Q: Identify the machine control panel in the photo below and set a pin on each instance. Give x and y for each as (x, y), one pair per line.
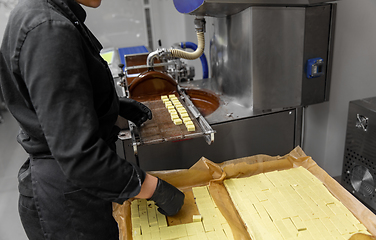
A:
(315, 67)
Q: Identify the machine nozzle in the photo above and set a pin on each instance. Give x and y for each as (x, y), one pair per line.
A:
(200, 24)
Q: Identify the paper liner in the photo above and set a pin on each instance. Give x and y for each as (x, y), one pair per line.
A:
(206, 172)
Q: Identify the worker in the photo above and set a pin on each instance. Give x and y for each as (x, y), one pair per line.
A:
(62, 94)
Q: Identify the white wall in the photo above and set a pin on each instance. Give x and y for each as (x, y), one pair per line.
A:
(118, 23)
(4, 15)
(167, 23)
(354, 77)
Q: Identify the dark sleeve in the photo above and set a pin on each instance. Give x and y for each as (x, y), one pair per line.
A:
(56, 75)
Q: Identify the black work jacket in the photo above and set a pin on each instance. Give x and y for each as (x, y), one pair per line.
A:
(61, 92)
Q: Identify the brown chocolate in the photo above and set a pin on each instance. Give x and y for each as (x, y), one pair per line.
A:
(205, 101)
(150, 85)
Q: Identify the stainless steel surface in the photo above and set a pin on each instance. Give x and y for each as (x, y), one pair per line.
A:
(125, 134)
(231, 107)
(230, 57)
(203, 124)
(299, 126)
(200, 24)
(318, 39)
(359, 163)
(175, 67)
(156, 54)
(272, 134)
(135, 137)
(362, 181)
(277, 57)
(222, 8)
(258, 56)
(146, 66)
(333, 17)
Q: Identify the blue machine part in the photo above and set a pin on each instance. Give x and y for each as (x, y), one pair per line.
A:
(130, 50)
(187, 6)
(315, 67)
(204, 62)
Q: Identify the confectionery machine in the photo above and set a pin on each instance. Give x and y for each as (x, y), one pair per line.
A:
(268, 60)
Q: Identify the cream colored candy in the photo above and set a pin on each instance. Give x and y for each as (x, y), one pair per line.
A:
(294, 202)
(209, 224)
(186, 119)
(177, 121)
(190, 127)
(172, 111)
(189, 122)
(181, 109)
(174, 116)
(197, 218)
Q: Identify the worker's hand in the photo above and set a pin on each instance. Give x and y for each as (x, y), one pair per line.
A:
(168, 198)
(134, 111)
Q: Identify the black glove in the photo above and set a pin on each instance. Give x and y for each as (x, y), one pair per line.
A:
(168, 198)
(134, 111)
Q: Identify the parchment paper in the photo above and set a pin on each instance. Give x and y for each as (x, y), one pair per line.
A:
(205, 172)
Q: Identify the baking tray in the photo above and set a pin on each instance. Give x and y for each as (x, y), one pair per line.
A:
(206, 172)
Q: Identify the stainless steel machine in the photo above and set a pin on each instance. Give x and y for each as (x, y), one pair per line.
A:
(268, 60)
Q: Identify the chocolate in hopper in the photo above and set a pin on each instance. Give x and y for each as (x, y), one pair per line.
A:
(151, 85)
